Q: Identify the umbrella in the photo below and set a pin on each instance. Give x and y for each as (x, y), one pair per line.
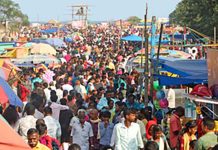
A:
(39, 41)
(133, 38)
(8, 95)
(4, 73)
(10, 139)
(36, 59)
(56, 42)
(43, 49)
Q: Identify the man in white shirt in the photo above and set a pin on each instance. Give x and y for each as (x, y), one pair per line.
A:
(56, 108)
(82, 133)
(53, 125)
(47, 92)
(67, 86)
(171, 97)
(80, 89)
(126, 135)
(27, 122)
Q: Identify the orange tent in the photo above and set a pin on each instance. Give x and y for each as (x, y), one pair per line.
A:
(9, 139)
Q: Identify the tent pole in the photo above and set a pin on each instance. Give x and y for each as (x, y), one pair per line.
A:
(158, 50)
(146, 71)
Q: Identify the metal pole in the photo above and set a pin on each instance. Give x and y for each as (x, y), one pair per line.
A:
(214, 35)
(152, 54)
(158, 50)
(146, 71)
(142, 48)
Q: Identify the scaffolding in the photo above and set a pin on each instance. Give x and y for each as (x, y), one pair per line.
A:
(80, 14)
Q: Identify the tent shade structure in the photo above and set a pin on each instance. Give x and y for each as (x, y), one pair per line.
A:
(55, 42)
(188, 71)
(43, 49)
(35, 59)
(167, 80)
(8, 95)
(186, 67)
(133, 38)
(10, 140)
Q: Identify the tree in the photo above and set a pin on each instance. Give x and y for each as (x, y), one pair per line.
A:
(201, 15)
(134, 20)
(10, 12)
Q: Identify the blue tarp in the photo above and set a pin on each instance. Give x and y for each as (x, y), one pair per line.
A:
(53, 30)
(188, 71)
(12, 97)
(181, 36)
(39, 41)
(133, 38)
(55, 42)
(166, 80)
(186, 67)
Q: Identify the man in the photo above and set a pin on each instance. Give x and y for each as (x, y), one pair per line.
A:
(47, 92)
(106, 130)
(171, 97)
(95, 121)
(209, 139)
(80, 89)
(82, 132)
(126, 135)
(54, 128)
(67, 86)
(33, 140)
(27, 122)
(175, 126)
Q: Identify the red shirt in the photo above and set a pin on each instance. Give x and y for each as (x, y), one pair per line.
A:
(175, 125)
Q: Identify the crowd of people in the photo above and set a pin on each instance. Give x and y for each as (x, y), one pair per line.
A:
(93, 103)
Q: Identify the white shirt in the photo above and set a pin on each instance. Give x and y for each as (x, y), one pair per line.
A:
(56, 108)
(59, 93)
(67, 87)
(24, 124)
(81, 135)
(38, 114)
(127, 138)
(47, 94)
(171, 97)
(81, 89)
(53, 127)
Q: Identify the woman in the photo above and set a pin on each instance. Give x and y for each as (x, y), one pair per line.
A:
(189, 135)
(159, 138)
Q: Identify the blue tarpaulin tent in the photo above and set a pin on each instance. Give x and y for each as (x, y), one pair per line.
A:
(188, 71)
(133, 38)
(186, 67)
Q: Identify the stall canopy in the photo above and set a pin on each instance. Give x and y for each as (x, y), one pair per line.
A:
(186, 68)
(188, 71)
(133, 38)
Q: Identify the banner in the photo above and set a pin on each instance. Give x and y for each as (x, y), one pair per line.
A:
(212, 61)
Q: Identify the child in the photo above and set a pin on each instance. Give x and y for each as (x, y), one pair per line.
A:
(159, 138)
(106, 130)
(189, 135)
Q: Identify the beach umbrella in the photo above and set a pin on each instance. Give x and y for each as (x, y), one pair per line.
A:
(36, 59)
(10, 139)
(56, 42)
(8, 95)
(42, 49)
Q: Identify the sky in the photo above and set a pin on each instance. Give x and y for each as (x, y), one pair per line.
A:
(100, 10)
